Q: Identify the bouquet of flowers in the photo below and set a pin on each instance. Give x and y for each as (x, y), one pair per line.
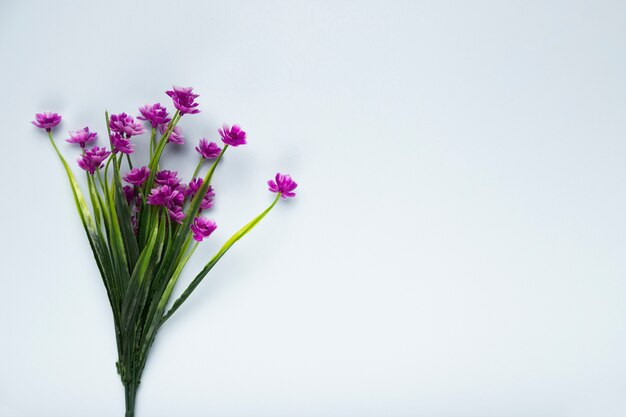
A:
(146, 221)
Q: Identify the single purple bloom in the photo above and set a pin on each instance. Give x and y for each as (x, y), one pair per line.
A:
(207, 200)
(155, 114)
(283, 184)
(176, 214)
(202, 228)
(208, 150)
(121, 144)
(184, 100)
(167, 177)
(47, 120)
(162, 196)
(193, 187)
(176, 136)
(125, 125)
(82, 137)
(92, 160)
(232, 136)
(137, 176)
(129, 192)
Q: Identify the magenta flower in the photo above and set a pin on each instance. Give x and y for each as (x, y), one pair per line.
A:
(137, 176)
(184, 100)
(125, 125)
(92, 160)
(232, 136)
(155, 114)
(47, 120)
(121, 144)
(176, 214)
(283, 184)
(207, 200)
(129, 192)
(202, 228)
(208, 150)
(167, 177)
(193, 187)
(176, 136)
(82, 137)
(162, 196)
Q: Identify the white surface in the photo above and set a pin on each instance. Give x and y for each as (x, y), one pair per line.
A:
(457, 246)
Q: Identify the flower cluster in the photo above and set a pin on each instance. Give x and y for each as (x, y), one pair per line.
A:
(165, 188)
(144, 223)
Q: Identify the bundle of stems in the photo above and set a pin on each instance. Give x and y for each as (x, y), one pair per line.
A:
(142, 242)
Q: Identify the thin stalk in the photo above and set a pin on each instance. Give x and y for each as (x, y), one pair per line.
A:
(241, 233)
(197, 168)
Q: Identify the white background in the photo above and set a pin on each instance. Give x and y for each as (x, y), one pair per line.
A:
(457, 245)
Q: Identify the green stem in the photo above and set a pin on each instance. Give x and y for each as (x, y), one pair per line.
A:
(230, 242)
(152, 142)
(130, 394)
(197, 168)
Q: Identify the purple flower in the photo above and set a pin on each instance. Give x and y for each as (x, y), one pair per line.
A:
(82, 137)
(202, 228)
(176, 136)
(184, 100)
(155, 114)
(283, 184)
(125, 125)
(208, 150)
(232, 136)
(47, 120)
(129, 192)
(121, 144)
(137, 176)
(166, 177)
(91, 160)
(207, 200)
(193, 187)
(162, 196)
(176, 214)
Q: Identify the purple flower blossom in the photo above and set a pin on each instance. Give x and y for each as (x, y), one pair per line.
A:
(166, 177)
(121, 144)
(207, 200)
(176, 136)
(202, 228)
(92, 160)
(129, 192)
(137, 176)
(232, 136)
(82, 137)
(176, 214)
(155, 114)
(208, 150)
(193, 187)
(162, 196)
(47, 120)
(283, 184)
(125, 125)
(184, 100)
